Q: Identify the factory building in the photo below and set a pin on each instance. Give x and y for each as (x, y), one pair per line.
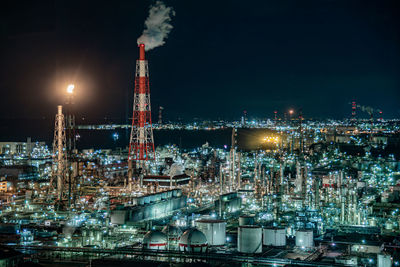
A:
(149, 207)
(12, 148)
(166, 181)
(19, 172)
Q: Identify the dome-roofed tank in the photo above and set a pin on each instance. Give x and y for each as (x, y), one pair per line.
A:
(173, 232)
(155, 240)
(193, 240)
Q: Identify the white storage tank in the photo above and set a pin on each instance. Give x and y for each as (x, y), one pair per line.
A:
(140, 200)
(274, 237)
(372, 222)
(169, 194)
(384, 260)
(305, 238)
(214, 230)
(389, 225)
(193, 240)
(246, 220)
(249, 239)
(155, 240)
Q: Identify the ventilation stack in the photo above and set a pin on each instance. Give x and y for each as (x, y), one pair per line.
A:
(141, 144)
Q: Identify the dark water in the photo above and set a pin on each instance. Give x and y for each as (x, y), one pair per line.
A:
(42, 129)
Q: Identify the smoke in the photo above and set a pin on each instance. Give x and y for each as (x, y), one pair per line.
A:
(157, 26)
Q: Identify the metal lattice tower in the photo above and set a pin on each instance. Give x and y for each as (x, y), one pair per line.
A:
(141, 144)
(59, 153)
(353, 111)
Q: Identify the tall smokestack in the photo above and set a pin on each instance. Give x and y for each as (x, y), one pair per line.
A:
(141, 145)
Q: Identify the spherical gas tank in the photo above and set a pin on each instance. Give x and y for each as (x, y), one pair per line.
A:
(155, 240)
(193, 240)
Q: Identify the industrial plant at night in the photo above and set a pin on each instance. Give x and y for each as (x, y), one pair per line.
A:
(287, 186)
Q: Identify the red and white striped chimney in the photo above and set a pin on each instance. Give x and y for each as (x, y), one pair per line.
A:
(141, 144)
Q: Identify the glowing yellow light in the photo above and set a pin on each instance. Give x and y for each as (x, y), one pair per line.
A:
(70, 89)
(271, 139)
(291, 111)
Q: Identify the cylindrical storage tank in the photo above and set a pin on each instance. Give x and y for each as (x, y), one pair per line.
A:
(152, 198)
(214, 230)
(169, 193)
(246, 220)
(389, 225)
(146, 199)
(155, 240)
(140, 200)
(305, 238)
(164, 195)
(158, 197)
(274, 237)
(249, 239)
(384, 260)
(372, 222)
(385, 197)
(193, 240)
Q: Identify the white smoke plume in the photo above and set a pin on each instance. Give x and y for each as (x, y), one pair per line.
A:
(157, 26)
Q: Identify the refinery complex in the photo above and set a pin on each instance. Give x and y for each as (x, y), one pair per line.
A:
(286, 191)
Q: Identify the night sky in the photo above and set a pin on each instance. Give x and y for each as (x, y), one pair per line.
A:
(221, 58)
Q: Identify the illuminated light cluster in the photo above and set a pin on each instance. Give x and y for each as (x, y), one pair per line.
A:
(271, 139)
